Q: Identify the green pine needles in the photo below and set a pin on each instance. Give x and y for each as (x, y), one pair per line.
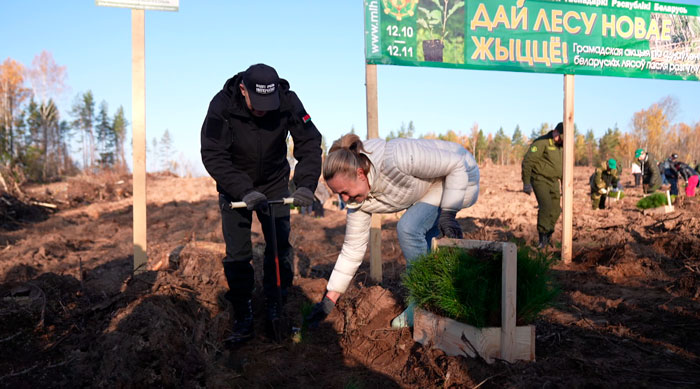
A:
(465, 285)
(615, 194)
(654, 200)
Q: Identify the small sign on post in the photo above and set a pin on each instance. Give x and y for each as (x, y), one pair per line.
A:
(152, 5)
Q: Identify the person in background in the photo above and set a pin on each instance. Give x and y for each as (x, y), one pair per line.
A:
(670, 174)
(542, 172)
(662, 166)
(320, 196)
(602, 181)
(689, 175)
(244, 148)
(651, 179)
(637, 174)
(430, 179)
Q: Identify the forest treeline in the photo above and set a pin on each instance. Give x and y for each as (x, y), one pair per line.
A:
(652, 128)
(38, 144)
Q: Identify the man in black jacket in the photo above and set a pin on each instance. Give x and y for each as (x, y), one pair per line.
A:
(651, 177)
(244, 149)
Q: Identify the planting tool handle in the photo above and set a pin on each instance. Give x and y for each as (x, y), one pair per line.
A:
(242, 204)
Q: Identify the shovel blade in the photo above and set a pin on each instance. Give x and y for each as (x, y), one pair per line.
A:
(278, 329)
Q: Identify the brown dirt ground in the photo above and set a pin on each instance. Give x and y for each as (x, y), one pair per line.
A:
(72, 315)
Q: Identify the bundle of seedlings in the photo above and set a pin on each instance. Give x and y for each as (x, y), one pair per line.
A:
(465, 285)
(654, 200)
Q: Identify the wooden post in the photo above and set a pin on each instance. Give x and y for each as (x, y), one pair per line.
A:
(509, 281)
(375, 234)
(138, 123)
(568, 177)
(668, 208)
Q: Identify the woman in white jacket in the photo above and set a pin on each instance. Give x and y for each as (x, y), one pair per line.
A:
(430, 179)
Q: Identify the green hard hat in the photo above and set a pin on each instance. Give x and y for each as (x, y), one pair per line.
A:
(612, 163)
(638, 153)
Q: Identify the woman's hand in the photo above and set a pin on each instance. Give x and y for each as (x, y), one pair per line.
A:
(448, 224)
(321, 310)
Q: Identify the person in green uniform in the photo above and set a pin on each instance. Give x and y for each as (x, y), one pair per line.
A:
(604, 179)
(651, 178)
(542, 172)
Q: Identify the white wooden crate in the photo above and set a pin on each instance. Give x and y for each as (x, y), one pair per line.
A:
(508, 342)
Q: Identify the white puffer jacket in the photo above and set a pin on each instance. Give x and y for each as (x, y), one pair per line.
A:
(404, 172)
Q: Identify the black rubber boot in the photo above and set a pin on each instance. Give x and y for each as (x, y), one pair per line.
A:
(544, 240)
(242, 330)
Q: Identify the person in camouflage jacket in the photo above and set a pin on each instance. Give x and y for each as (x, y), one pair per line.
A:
(603, 180)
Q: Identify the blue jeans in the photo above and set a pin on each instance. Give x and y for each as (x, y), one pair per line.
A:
(416, 229)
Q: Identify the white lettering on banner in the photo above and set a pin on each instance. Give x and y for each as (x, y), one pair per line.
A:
(374, 25)
(673, 9)
(600, 50)
(610, 63)
(595, 3)
(632, 5)
(684, 68)
(639, 64)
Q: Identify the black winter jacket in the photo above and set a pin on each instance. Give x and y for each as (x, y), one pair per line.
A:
(685, 171)
(245, 153)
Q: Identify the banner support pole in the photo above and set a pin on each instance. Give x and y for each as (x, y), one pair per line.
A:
(568, 174)
(375, 234)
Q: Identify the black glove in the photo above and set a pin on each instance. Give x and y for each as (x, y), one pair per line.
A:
(527, 188)
(255, 200)
(448, 224)
(319, 313)
(303, 197)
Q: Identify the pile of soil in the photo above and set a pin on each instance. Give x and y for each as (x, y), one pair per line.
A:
(73, 314)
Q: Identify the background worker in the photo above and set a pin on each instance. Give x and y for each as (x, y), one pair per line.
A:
(430, 179)
(651, 177)
(542, 172)
(603, 180)
(670, 174)
(244, 148)
(636, 173)
(689, 175)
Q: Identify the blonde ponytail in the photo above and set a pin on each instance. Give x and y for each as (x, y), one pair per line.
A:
(344, 157)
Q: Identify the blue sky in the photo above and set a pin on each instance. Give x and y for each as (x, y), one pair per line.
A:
(318, 47)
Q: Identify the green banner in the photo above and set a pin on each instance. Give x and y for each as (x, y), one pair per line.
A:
(636, 38)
